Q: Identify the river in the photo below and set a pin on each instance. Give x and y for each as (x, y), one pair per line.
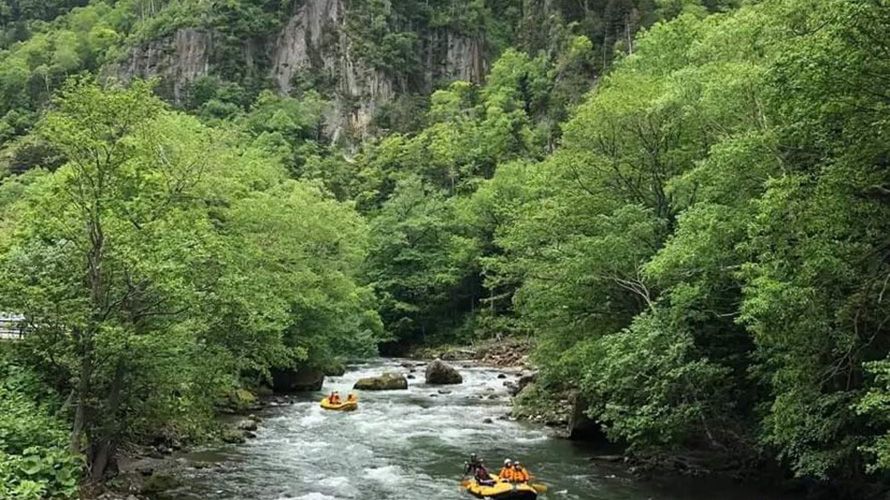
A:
(409, 445)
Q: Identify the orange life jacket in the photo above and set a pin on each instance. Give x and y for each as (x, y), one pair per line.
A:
(520, 475)
(506, 474)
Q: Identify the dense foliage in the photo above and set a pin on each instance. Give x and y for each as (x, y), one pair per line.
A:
(704, 257)
(166, 262)
(684, 203)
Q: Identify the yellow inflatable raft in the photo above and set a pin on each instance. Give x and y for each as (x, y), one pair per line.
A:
(347, 405)
(501, 490)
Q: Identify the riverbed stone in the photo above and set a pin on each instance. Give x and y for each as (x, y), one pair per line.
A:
(385, 382)
(297, 380)
(239, 401)
(526, 379)
(159, 483)
(512, 387)
(247, 425)
(438, 373)
(232, 436)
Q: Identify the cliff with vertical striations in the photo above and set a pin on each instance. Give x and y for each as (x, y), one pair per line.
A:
(314, 44)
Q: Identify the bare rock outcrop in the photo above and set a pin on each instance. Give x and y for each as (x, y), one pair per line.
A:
(178, 61)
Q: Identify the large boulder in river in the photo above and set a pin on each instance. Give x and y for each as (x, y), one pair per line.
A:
(439, 373)
(385, 382)
(299, 380)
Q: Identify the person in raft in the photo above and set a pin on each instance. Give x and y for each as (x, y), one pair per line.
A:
(350, 398)
(507, 473)
(472, 464)
(334, 398)
(482, 476)
(520, 473)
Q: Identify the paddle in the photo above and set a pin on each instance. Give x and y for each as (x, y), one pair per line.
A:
(540, 488)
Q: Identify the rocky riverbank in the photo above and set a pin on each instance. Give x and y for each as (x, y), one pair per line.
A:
(147, 471)
(508, 353)
(530, 402)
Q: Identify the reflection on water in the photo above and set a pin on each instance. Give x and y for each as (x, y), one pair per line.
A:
(404, 445)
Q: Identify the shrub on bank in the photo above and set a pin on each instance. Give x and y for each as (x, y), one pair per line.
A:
(35, 462)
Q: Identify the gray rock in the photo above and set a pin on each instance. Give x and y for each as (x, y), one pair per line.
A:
(385, 382)
(159, 483)
(487, 421)
(512, 387)
(146, 470)
(526, 379)
(247, 425)
(438, 373)
(501, 375)
(232, 436)
(444, 391)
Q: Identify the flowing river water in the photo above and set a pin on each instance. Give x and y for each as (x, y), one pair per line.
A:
(409, 445)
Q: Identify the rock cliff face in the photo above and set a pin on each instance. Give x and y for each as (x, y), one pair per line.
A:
(178, 61)
(314, 45)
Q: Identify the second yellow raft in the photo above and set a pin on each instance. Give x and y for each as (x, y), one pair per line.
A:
(348, 405)
(502, 490)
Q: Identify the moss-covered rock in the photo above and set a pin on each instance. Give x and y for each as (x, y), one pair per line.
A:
(336, 369)
(535, 404)
(385, 382)
(157, 484)
(232, 436)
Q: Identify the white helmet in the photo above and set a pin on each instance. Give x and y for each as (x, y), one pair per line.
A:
(507, 461)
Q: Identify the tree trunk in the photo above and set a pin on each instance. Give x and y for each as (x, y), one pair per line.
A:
(104, 448)
(83, 390)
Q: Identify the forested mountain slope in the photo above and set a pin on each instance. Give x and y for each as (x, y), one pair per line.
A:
(683, 203)
(376, 61)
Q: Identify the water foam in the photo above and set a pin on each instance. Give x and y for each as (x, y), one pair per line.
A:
(310, 496)
(389, 475)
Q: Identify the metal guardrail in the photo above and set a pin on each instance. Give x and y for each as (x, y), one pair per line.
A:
(11, 326)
